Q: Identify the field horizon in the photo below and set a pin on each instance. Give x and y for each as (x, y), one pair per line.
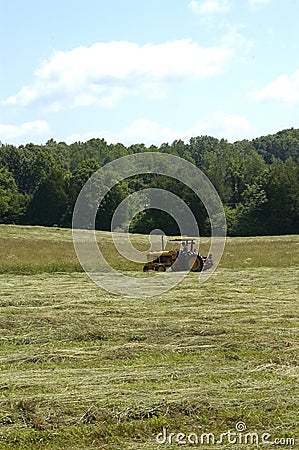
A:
(82, 368)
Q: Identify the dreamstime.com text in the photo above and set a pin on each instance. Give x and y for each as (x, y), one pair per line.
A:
(239, 436)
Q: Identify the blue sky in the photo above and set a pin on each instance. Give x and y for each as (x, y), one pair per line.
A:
(147, 71)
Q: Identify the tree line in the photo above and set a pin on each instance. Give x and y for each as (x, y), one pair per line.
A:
(257, 181)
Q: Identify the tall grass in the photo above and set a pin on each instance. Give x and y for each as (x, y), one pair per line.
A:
(46, 250)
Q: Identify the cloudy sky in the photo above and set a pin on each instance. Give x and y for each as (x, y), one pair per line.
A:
(147, 71)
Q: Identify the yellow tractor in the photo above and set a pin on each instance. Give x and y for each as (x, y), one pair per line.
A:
(184, 259)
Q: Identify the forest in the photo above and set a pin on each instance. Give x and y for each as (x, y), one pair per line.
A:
(257, 181)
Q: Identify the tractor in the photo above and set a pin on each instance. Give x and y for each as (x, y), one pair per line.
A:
(184, 259)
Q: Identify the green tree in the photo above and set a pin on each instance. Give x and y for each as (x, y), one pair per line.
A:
(75, 183)
(61, 153)
(96, 149)
(29, 165)
(109, 204)
(49, 201)
(115, 151)
(281, 212)
(12, 204)
(200, 145)
(247, 217)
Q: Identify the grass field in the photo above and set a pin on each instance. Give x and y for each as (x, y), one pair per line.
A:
(85, 369)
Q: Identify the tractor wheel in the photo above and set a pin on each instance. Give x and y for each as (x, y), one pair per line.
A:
(160, 268)
(195, 263)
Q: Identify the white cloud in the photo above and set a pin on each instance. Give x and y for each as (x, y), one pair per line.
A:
(235, 39)
(105, 72)
(26, 131)
(139, 131)
(256, 3)
(219, 124)
(284, 88)
(209, 7)
(224, 125)
(143, 130)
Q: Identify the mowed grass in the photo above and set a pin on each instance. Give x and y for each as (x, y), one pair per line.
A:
(84, 369)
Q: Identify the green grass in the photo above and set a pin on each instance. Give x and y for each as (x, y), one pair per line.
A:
(33, 250)
(85, 369)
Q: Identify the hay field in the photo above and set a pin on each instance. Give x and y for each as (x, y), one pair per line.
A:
(85, 369)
